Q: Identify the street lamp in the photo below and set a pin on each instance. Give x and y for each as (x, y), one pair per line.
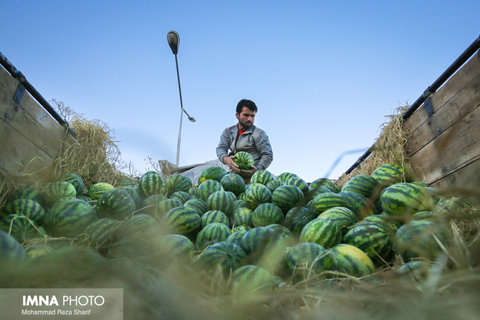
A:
(173, 41)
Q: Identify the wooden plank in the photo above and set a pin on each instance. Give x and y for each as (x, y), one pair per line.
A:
(22, 122)
(19, 152)
(466, 178)
(451, 150)
(462, 103)
(458, 81)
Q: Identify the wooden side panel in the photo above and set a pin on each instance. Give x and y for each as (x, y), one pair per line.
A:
(444, 149)
(27, 132)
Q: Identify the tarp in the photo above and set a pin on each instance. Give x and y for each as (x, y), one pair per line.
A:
(190, 171)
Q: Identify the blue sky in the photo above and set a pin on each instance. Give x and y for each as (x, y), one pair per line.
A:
(324, 74)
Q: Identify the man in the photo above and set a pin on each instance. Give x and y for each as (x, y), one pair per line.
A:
(244, 136)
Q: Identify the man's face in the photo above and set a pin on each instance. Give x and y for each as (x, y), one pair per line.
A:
(245, 118)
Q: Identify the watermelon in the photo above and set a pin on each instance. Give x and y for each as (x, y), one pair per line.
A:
(325, 182)
(417, 269)
(152, 183)
(233, 182)
(241, 228)
(301, 258)
(134, 193)
(373, 238)
(225, 255)
(321, 231)
(251, 279)
(211, 173)
(300, 183)
(264, 246)
(284, 176)
(26, 207)
(58, 190)
(327, 200)
(161, 208)
(116, 204)
(220, 200)
(262, 176)
(178, 247)
(283, 231)
(256, 195)
(364, 184)
(181, 196)
(139, 225)
(313, 192)
(244, 160)
(242, 216)
(19, 227)
(176, 183)
(453, 206)
(198, 205)
(69, 217)
(39, 249)
(139, 250)
(351, 260)
(214, 216)
(212, 233)
(11, 251)
(287, 197)
(98, 189)
(236, 237)
(150, 203)
(27, 193)
(342, 216)
(183, 220)
(101, 233)
(358, 203)
(419, 239)
(388, 174)
(405, 198)
(75, 180)
(297, 217)
(265, 214)
(207, 188)
(239, 204)
(274, 184)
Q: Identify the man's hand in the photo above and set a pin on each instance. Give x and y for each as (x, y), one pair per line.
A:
(247, 174)
(231, 164)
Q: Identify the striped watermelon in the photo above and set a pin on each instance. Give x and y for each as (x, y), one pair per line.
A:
(139, 225)
(214, 216)
(225, 255)
(198, 205)
(221, 200)
(101, 233)
(301, 258)
(161, 208)
(134, 193)
(19, 227)
(211, 173)
(364, 184)
(27, 193)
(11, 251)
(152, 183)
(263, 177)
(258, 239)
(183, 220)
(265, 214)
(388, 174)
(239, 204)
(241, 228)
(26, 207)
(242, 216)
(327, 200)
(150, 203)
(283, 231)
(177, 182)
(287, 197)
(233, 182)
(39, 249)
(98, 189)
(75, 180)
(423, 215)
(418, 239)
(181, 196)
(351, 260)
(244, 160)
(342, 216)
(58, 190)
(273, 185)
(256, 195)
(373, 238)
(321, 231)
(207, 188)
(300, 183)
(297, 217)
(212, 233)
(453, 206)
(404, 197)
(140, 251)
(313, 192)
(116, 204)
(178, 247)
(69, 217)
(236, 237)
(284, 176)
(325, 182)
(358, 203)
(251, 279)
(417, 269)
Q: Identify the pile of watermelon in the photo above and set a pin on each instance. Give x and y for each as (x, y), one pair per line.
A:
(272, 231)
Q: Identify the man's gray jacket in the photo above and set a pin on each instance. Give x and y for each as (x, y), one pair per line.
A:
(254, 141)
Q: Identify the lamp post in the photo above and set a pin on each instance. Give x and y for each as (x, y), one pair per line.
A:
(173, 41)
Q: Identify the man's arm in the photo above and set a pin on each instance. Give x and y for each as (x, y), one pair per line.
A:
(265, 150)
(222, 150)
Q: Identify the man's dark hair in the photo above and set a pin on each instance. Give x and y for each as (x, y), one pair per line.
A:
(246, 103)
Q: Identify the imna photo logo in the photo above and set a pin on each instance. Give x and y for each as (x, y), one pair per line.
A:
(66, 300)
